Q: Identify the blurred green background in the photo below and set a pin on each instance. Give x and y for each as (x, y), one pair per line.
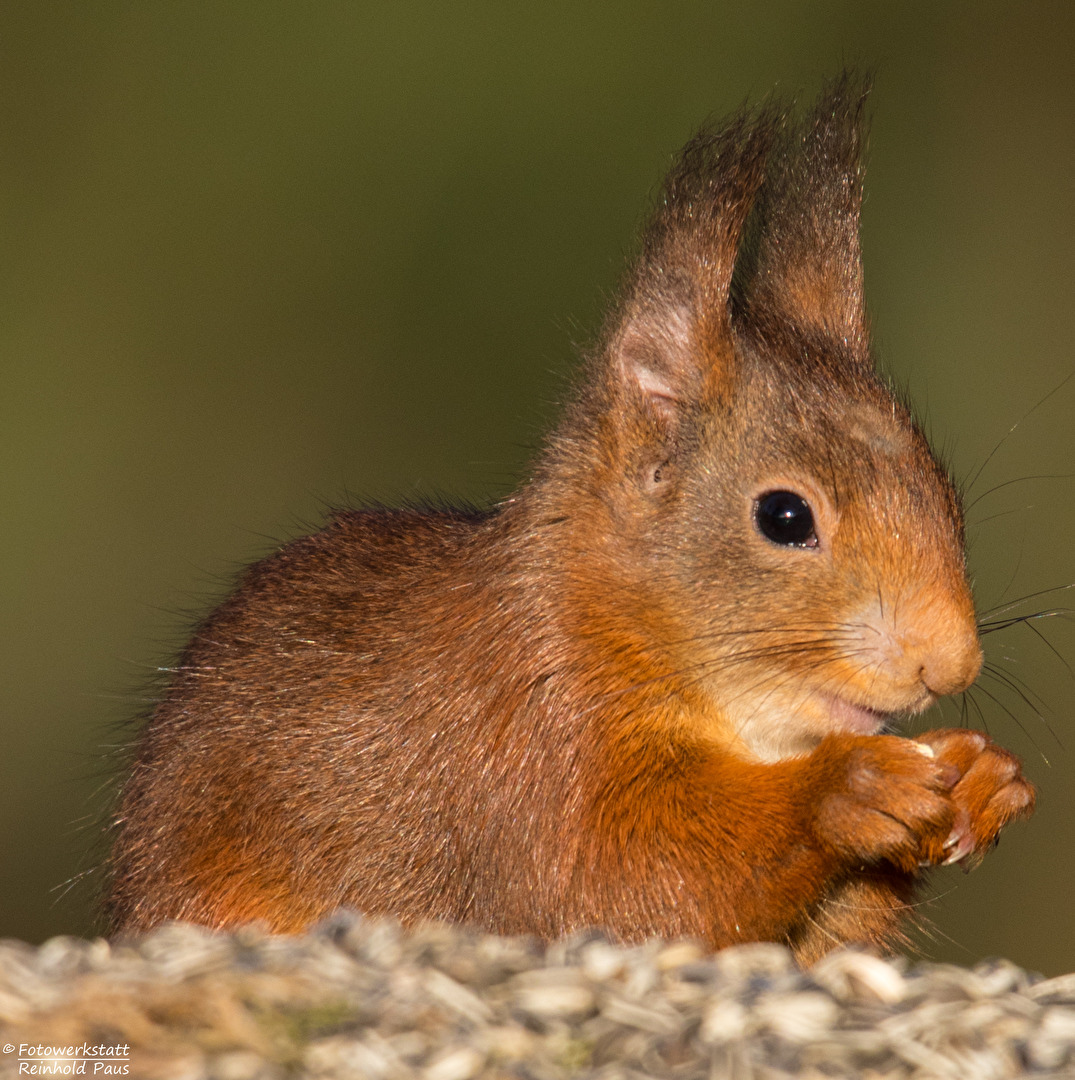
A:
(260, 258)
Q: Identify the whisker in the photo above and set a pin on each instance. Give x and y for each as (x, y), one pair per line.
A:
(1050, 646)
(996, 671)
(969, 696)
(1029, 596)
(1003, 624)
(1018, 480)
(1015, 569)
(1005, 681)
(823, 632)
(1000, 704)
(777, 684)
(750, 688)
(1003, 513)
(1030, 412)
(703, 666)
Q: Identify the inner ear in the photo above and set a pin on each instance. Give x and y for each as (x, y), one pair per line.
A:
(658, 361)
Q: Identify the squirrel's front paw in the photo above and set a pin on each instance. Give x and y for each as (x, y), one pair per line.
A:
(884, 799)
(991, 791)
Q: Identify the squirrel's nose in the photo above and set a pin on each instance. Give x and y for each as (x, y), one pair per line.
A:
(930, 642)
(945, 674)
(949, 655)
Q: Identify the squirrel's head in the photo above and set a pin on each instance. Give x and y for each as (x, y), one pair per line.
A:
(748, 489)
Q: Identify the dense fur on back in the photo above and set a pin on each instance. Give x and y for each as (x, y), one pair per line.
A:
(613, 700)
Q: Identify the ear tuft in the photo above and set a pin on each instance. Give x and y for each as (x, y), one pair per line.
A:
(807, 266)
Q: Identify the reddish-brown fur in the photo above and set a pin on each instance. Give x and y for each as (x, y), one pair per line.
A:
(612, 701)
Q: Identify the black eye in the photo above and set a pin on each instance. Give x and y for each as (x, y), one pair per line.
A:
(785, 518)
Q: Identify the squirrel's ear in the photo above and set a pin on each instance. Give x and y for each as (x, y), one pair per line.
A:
(804, 263)
(669, 344)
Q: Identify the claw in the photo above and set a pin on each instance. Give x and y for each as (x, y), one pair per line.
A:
(961, 846)
(960, 842)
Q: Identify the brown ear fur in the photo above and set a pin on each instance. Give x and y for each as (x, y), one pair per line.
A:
(759, 216)
(670, 342)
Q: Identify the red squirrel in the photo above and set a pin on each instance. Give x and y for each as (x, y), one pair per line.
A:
(653, 690)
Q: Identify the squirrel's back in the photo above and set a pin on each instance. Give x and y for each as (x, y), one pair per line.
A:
(306, 709)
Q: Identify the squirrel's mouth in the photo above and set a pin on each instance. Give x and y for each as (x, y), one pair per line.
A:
(787, 726)
(855, 719)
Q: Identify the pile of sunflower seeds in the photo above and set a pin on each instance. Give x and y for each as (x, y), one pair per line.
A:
(362, 998)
